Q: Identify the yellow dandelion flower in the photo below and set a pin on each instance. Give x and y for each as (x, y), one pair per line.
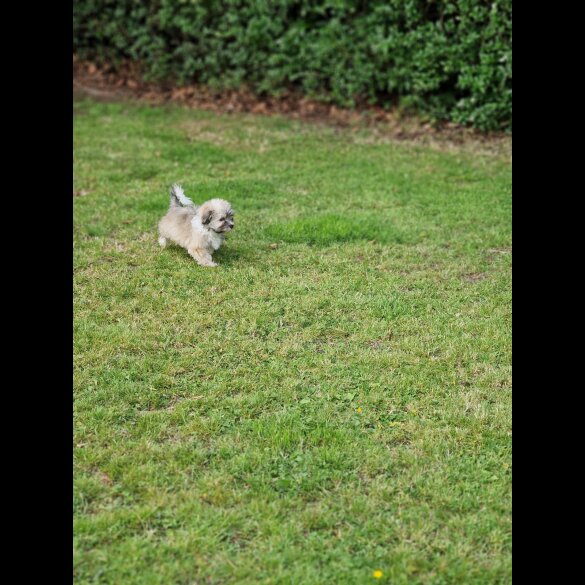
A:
(359, 409)
(378, 574)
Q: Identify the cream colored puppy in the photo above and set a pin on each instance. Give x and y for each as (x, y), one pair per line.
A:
(200, 229)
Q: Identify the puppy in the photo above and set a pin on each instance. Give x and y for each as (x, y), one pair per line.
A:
(200, 229)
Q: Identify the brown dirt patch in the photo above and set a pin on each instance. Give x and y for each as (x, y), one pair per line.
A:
(102, 83)
(475, 277)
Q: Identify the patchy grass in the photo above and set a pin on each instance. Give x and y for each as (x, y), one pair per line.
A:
(333, 400)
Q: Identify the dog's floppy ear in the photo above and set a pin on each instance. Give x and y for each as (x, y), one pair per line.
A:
(206, 215)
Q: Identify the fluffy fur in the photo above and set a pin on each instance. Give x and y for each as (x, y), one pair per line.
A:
(200, 229)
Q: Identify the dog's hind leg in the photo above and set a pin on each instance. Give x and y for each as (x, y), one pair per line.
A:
(162, 242)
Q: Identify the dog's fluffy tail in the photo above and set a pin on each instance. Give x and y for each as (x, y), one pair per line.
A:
(178, 198)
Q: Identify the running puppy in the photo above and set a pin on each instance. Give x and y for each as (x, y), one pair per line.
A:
(200, 229)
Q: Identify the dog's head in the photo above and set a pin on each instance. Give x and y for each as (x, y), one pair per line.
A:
(217, 215)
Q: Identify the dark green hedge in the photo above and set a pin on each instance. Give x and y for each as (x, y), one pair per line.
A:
(450, 59)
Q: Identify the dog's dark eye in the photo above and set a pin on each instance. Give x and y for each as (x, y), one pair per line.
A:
(222, 219)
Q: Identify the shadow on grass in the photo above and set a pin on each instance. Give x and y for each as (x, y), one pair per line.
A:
(225, 256)
(229, 256)
(329, 229)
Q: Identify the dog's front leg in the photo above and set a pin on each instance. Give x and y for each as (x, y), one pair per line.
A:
(202, 257)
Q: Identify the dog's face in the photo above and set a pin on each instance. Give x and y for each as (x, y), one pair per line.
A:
(217, 215)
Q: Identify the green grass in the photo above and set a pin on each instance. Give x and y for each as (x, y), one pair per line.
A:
(306, 413)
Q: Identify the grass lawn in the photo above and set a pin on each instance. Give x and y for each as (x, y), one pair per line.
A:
(333, 400)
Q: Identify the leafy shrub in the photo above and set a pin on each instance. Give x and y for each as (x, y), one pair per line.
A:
(451, 59)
